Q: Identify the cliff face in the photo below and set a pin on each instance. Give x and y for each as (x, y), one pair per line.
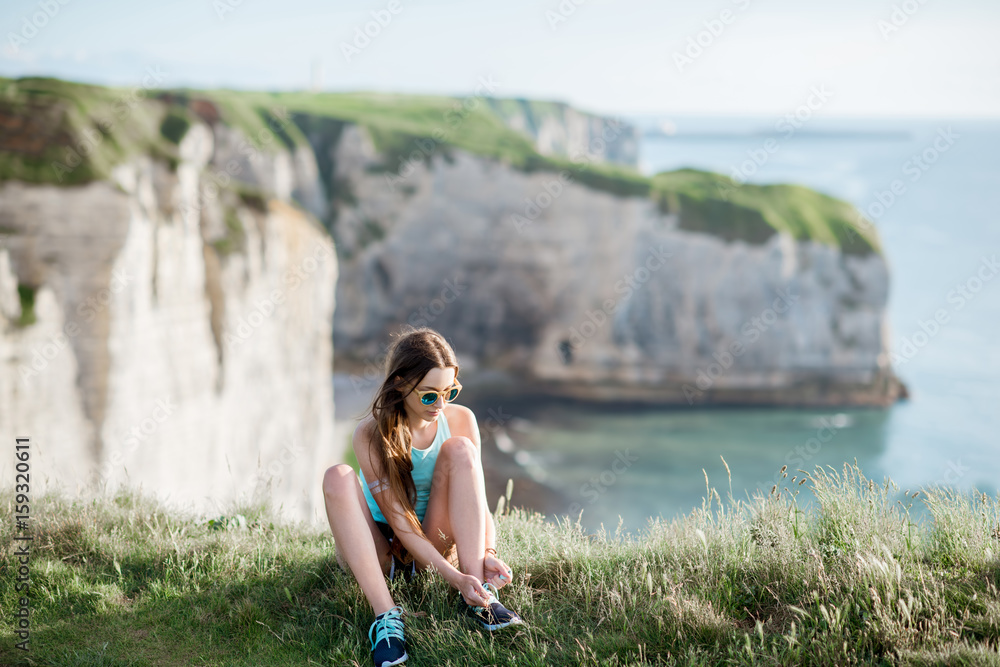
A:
(158, 330)
(596, 295)
(559, 129)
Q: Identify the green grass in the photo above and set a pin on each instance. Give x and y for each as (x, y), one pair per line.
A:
(121, 581)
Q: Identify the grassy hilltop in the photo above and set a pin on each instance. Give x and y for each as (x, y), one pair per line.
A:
(50, 123)
(123, 581)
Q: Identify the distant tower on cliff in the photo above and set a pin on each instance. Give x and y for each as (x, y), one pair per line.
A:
(316, 78)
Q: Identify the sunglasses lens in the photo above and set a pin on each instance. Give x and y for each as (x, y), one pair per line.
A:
(453, 394)
(429, 399)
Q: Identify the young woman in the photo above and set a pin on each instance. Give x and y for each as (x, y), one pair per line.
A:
(420, 495)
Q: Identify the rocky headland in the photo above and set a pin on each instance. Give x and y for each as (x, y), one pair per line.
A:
(177, 269)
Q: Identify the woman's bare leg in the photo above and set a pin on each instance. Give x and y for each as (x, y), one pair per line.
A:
(359, 543)
(457, 504)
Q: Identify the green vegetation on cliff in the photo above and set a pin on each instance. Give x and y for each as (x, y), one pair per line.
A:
(26, 294)
(73, 133)
(716, 204)
(69, 133)
(849, 578)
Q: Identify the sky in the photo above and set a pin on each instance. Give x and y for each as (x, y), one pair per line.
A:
(867, 58)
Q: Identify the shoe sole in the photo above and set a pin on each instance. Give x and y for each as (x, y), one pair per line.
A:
(499, 626)
(495, 626)
(399, 661)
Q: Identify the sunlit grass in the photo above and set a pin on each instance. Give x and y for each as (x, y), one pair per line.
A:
(121, 581)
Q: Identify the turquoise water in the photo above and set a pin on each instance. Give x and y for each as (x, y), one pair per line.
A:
(639, 463)
(936, 236)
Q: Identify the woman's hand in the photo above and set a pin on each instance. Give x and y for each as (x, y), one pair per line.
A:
(496, 571)
(471, 589)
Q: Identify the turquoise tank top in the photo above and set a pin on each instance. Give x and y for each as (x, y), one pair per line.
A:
(423, 471)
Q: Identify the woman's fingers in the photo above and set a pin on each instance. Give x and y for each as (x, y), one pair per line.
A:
(476, 591)
(499, 573)
(501, 567)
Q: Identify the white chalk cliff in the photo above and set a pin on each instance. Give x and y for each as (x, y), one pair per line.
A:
(159, 356)
(598, 295)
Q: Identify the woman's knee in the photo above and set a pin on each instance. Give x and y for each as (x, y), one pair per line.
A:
(460, 450)
(339, 482)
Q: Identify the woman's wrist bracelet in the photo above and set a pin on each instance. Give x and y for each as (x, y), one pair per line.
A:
(491, 550)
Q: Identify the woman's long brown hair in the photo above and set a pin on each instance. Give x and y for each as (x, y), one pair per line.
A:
(410, 355)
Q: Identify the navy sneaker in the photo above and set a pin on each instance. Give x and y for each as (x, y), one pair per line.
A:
(388, 643)
(494, 615)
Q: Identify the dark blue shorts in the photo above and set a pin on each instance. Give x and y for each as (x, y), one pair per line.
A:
(386, 530)
(394, 544)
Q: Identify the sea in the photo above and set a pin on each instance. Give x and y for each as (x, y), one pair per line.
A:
(932, 188)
